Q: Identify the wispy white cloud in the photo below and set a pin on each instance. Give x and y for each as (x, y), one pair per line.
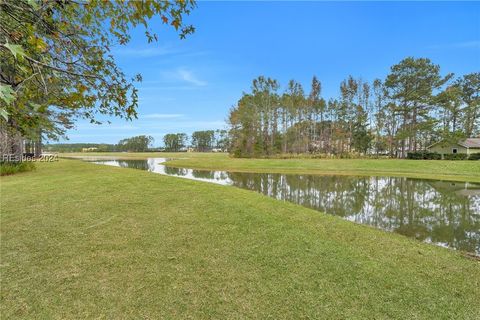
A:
(469, 44)
(184, 75)
(96, 136)
(189, 77)
(145, 52)
(161, 116)
(155, 98)
(164, 87)
(105, 126)
(155, 50)
(463, 45)
(184, 125)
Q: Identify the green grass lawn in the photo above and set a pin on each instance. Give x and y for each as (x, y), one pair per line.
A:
(81, 240)
(428, 169)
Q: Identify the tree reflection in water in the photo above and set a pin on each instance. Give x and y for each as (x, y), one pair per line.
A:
(445, 213)
(442, 212)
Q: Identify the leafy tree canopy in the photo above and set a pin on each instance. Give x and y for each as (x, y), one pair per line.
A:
(56, 63)
(135, 144)
(175, 141)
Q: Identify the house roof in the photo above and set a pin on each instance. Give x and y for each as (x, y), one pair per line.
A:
(471, 143)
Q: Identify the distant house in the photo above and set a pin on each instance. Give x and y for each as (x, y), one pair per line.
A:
(89, 149)
(466, 146)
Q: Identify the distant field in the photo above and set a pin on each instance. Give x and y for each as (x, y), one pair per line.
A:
(81, 240)
(428, 169)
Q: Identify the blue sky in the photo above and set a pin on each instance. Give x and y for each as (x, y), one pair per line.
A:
(191, 84)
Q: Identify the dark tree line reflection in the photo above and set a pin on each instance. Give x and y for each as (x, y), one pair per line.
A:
(441, 212)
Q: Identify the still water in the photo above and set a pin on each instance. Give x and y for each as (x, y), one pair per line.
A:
(445, 213)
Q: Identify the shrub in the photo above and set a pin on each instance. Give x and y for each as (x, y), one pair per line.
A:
(455, 156)
(475, 156)
(433, 156)
(8, 168)
(415, 155)
(421, 155)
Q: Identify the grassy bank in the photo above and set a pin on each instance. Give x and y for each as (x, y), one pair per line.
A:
(428, 169)
(83, 240)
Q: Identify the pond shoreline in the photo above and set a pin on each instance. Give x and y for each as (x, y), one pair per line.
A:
(424, 209)
(424, 169)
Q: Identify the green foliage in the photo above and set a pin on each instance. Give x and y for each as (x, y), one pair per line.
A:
(474, 156)
(265, 124)
(361, 137)
(14, 49)
(423, 155)
(57, 54)
(415, 155)
(432, 156)
(210, 139)
(175, 141)
(412, 108)
(135, 144)
(222, 141)
(455, 156)
(469, 93)
(8, 168)
(450, 106)
(203, 140)
(7, 94)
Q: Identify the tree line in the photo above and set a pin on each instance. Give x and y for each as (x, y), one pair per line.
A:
(140, 143)
(414, 106)
(201, 141)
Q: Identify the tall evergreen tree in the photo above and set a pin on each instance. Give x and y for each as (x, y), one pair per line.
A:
(411, 85)
(411, 108)
(469, 86)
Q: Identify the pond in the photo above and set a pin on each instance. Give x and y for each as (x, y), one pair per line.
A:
(444, 213)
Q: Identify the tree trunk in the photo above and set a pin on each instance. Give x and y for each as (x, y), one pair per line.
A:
(11, 144)
(38, 145)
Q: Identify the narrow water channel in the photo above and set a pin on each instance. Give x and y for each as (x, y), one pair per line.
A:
(444, 213)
